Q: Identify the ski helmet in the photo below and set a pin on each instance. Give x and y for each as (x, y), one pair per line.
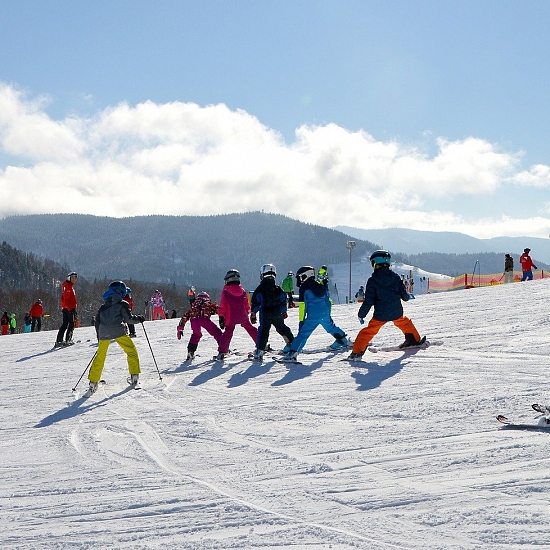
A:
(119, 287)
(379, 258)
(72, 274)
(304, 273)
(291, 273)
(268, 270)
(202, 295)
(128, 290)
(232, 276)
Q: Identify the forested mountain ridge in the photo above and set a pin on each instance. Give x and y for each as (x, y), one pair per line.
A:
(182, 250)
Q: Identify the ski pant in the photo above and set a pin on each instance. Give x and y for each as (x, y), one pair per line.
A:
(508, 277)
(127, 344)
(266, 322)
(36, 324)
(158, 313)
(69, 318)
(290, 299)
(365, 336)
(527, 276)
(309, 325)
(225, 339)
(5, 329)
(199, 323)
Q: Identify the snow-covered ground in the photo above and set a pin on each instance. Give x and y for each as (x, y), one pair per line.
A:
(402, 451)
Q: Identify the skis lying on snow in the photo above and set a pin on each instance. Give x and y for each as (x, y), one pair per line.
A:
(542, 424)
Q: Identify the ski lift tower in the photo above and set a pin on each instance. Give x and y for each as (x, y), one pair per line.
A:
(350, 246)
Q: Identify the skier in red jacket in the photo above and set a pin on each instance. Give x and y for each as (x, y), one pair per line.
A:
(527, 265)
(68, 308)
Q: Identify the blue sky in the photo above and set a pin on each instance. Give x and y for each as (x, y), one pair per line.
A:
(423, 114)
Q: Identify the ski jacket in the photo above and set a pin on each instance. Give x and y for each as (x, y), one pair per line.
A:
(313, 300)
(13, 322)
(202, 307)
(130, 301)
(5, 319)
(157, 300)
(288, 284)
(526, 262)
(384, 292)
(112, 318)
(234, 306)
(508, 263)
(37, 310)
(269, 297)
(68, 296)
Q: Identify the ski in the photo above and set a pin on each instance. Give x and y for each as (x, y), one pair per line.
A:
(523, 426)
(543, 409)
(423, 345)
(287, 361)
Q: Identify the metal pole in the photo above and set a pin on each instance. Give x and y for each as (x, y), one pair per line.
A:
(145, 332)
(81, 376)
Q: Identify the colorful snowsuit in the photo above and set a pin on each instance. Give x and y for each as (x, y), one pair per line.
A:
(384, 292)
(234, 309)
(111, 324)
(314, 310)
(199, 316)
(157, 301)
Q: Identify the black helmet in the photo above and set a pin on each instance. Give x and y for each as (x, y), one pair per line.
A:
(379, 258)
(304, 273)
(119, 287)
(232, 276)
(527, 250)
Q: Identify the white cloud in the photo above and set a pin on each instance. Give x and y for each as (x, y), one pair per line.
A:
(180, 158)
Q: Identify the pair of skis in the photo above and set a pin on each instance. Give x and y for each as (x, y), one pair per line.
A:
(542, 424)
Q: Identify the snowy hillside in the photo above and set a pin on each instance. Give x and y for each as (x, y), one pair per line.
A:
(402, 451)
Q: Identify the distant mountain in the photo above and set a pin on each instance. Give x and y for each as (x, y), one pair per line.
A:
(410, 242)
(181, 250)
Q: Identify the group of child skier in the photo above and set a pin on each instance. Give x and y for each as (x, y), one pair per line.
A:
(268, 306)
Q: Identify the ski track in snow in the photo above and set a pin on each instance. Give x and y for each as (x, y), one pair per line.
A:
(399, 451)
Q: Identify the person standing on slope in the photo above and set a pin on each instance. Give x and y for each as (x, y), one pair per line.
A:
(288, 286)
(36, 312)
(233, 310)
(313, 310)
(527, 265)
(269, 302)
(384, 292)
(128, 298)
(199, 314)
(508, 269)
(157, 302)
(68, 308)
(111, 323)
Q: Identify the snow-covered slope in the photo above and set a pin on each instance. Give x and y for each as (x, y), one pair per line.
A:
(401, 451)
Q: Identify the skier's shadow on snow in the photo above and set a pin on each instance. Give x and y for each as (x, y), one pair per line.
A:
(79, 406)
(377, 374)
(256, 369)
(217, 369)
(297, 372)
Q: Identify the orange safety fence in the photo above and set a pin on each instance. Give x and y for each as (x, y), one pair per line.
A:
(471, 281)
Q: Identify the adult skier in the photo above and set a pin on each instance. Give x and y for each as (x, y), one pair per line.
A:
(68, 305)
(384, 292)
(527, 265)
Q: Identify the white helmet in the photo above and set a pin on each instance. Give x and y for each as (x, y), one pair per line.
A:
(268, 270)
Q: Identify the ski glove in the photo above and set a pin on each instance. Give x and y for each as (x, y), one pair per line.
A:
(361, 320)
(285, 315)
(140, 318)
(222, 323)
(180, 331)
(253, 318)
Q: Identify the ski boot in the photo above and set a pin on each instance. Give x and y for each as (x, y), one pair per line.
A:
(340, 342)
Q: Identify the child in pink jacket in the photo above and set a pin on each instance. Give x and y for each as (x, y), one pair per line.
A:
(232, 311)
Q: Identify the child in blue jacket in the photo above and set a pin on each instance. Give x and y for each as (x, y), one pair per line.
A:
(314, 310)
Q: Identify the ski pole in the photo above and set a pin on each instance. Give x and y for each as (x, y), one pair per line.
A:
(145, 332)
(87, 367)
